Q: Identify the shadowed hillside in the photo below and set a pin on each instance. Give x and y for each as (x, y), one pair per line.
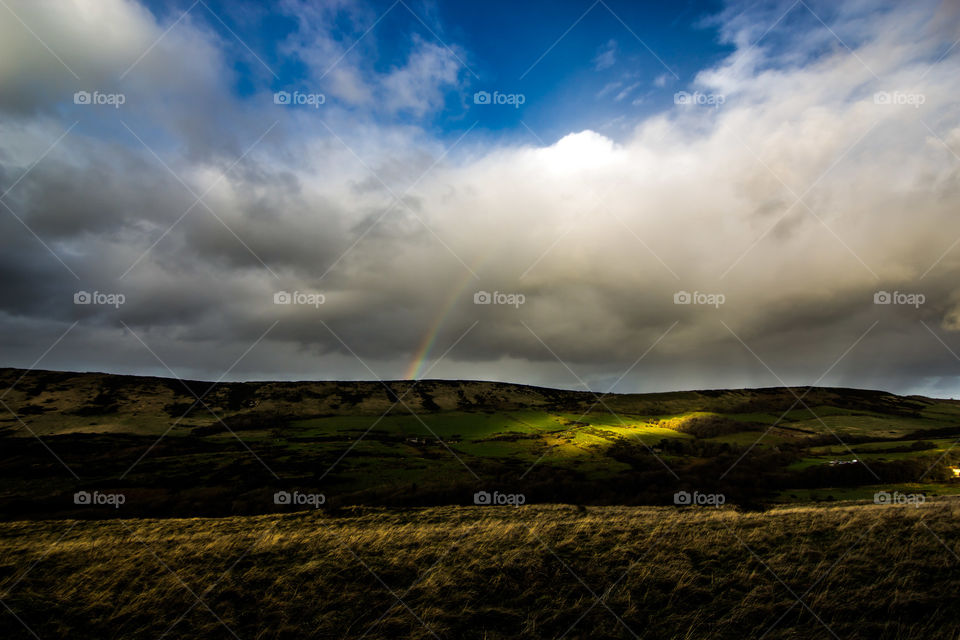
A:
(174, 447)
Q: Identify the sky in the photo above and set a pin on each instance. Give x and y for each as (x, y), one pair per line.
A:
(619, 196)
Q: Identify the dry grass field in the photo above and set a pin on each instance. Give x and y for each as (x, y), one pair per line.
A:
(850, 570)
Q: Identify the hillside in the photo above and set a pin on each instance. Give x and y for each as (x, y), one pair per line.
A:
(193, 448)
(66, 402)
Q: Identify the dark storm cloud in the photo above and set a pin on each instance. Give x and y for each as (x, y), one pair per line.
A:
(596, 235)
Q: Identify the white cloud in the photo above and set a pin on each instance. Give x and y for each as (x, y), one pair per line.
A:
(607, 57)
(608, 88)
(419, 85)
(343, 66)
(626, 91)
(598, 234)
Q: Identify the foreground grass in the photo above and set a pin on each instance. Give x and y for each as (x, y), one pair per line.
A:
(847, 571)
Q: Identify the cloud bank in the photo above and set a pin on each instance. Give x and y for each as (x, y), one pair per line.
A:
(808, 172)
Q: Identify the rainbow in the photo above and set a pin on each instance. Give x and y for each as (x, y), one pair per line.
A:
(456, 293)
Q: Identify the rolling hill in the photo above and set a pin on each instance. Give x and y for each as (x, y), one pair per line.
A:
(187, 448)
